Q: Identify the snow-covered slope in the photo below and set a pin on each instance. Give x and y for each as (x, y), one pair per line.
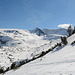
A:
(58, 62)
(18, 44)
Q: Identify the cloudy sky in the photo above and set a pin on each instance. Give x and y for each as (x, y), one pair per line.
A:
(29, 14)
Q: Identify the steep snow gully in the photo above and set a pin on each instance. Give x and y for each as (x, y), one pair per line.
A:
(54, 58)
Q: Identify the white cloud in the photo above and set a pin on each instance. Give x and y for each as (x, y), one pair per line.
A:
(64, 25)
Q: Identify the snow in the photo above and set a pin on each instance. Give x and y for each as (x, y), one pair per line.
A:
(60, 61)
(18, 44)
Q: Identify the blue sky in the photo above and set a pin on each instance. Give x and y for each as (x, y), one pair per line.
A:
(29, 14)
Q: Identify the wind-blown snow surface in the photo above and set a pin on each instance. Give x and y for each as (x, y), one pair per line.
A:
(58, 62)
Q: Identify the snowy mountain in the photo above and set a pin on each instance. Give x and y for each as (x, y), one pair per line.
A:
(17, 45)
(38, 31)
(50, 33)
(54, 33)
(60, 61)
